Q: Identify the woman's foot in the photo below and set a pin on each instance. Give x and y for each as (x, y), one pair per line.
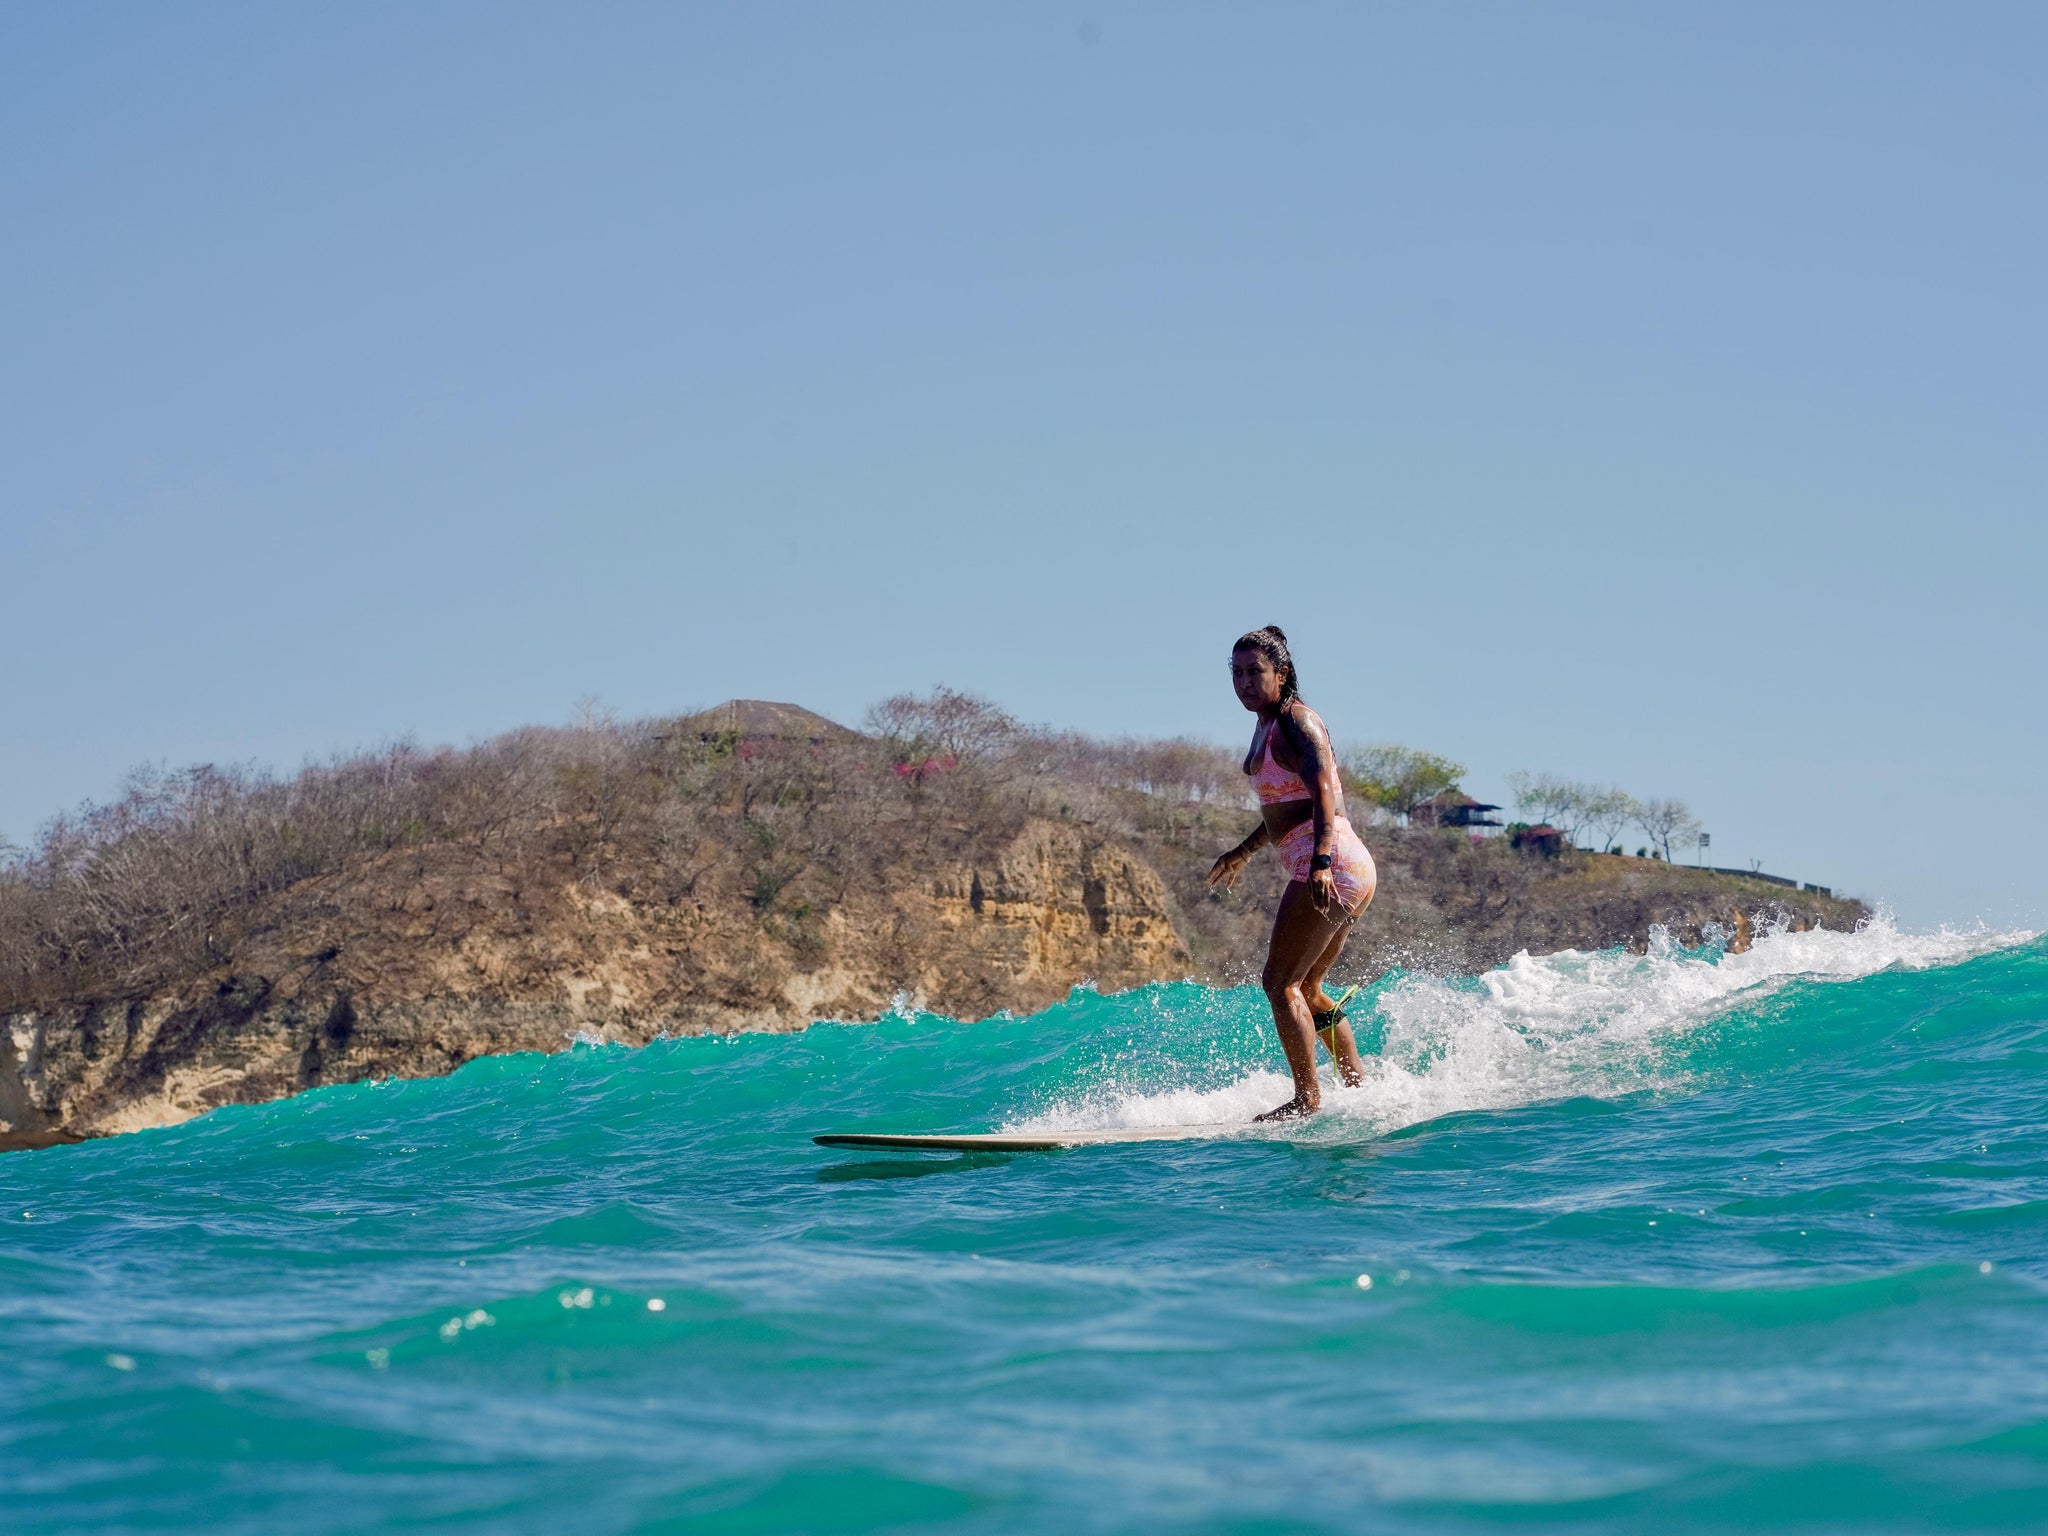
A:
(1296, 1108)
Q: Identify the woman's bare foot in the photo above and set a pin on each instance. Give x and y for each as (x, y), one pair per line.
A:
(1295, 1108)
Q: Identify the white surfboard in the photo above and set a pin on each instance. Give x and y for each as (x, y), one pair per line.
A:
(1016, 1141)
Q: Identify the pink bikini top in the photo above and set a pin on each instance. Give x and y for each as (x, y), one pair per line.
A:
(1274, 783)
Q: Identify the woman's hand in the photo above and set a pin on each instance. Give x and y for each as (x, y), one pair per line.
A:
(1224, 871)
(1322, 890)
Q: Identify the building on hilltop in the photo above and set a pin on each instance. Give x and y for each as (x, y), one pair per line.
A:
(753, 724)
(1453, 808)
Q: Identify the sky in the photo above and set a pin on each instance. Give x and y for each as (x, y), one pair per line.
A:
(1648, 394)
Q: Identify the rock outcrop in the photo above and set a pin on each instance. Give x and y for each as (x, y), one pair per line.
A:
(415, 964)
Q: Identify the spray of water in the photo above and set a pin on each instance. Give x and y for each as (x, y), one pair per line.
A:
(1539, 1028)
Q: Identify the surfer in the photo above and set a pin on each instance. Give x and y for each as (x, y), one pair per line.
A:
(1301, 805)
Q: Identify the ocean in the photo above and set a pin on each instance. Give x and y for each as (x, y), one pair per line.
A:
(1607, 1242)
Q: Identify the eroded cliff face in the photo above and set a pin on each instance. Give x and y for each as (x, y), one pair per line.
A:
(420, 962)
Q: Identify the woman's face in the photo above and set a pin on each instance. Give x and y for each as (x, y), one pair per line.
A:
(1255, 678)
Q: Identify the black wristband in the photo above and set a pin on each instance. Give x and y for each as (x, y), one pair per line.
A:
(1321, 861)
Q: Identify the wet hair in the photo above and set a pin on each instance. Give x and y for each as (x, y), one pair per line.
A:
(1271, 643)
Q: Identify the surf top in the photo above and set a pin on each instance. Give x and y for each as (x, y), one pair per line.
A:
(1273, 782)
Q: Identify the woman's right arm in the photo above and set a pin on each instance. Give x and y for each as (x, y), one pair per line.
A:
(1224, 871)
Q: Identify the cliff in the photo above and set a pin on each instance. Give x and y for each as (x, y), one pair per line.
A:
(224, 947)
(414, 963)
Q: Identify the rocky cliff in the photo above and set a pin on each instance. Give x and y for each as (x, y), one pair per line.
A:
(413, 964)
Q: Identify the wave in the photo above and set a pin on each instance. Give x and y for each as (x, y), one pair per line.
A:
(1604, 1024)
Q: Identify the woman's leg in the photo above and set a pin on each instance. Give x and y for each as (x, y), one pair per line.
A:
(1300, 935)
(1359, 881)
(1338, 1039)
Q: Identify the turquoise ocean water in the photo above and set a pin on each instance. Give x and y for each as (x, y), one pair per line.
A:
(1669, 1242)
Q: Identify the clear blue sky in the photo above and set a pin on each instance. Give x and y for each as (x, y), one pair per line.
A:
(1646, 393)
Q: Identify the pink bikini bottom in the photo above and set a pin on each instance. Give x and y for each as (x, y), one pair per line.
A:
(1350, 863)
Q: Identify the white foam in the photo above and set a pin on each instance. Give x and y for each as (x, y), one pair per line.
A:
(1539, 1028)
(1110, 1108)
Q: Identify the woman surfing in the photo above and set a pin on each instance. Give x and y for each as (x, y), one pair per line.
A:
(1332, 880)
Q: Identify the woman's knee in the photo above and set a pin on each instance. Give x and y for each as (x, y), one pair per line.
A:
(1280, 986)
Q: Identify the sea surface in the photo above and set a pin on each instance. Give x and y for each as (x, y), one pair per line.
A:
(1674, 1242)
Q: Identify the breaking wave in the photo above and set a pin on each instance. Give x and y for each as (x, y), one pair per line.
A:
(1600, 1024)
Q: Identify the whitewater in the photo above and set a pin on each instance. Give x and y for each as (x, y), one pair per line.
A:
(1605, 1242)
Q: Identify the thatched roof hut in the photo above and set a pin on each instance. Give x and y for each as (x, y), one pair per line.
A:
(760, 720)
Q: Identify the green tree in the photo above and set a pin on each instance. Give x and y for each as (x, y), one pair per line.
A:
(1399, 778)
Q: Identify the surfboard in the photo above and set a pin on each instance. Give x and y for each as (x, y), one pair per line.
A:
(1015, 1141)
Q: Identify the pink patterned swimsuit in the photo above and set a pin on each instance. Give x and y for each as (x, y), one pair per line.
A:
(1350, 864)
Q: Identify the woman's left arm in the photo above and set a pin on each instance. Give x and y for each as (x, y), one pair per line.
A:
(1318, 770)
